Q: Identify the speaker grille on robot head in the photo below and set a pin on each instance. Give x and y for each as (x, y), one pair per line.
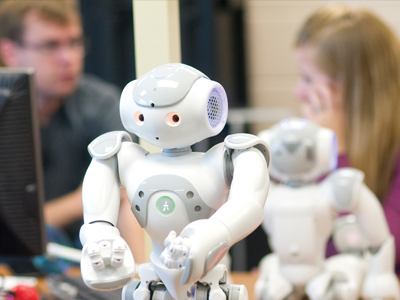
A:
(214, 108)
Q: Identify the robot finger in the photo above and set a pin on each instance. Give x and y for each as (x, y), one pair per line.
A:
(95, 256)
(178, 240)
(179, 252)
(180, 263)
(169, 263)
(105, 250)
(165, 258)
(175, 264)
(170, 238)
(117, 258)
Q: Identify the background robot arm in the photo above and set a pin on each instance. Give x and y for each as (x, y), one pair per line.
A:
(349, 193)
(208, 240)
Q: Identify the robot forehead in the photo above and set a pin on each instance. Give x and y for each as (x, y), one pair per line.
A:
(296, 130)
(293, 124)
(165, 85)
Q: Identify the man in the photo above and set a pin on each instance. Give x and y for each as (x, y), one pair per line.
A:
(73, 108)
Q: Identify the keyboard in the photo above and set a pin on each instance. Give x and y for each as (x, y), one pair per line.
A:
(64, 287)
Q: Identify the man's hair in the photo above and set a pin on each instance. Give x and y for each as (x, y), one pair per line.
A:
(13, 12)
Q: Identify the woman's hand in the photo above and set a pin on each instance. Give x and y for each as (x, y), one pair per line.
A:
(324, 107)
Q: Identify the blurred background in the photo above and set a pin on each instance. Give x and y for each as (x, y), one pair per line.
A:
(246, 45)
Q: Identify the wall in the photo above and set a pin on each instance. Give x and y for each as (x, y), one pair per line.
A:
(270, 27)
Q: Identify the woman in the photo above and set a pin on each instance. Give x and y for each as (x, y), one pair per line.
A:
(349, 64)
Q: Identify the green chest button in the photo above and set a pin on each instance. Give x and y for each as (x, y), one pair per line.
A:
(165, 205)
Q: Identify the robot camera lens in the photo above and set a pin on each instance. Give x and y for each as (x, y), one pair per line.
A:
(152, 105)
(141, 117)
(175, 118)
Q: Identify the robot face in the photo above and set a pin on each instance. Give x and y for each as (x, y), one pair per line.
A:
(292, 155)
(301, 151)
(173, 106)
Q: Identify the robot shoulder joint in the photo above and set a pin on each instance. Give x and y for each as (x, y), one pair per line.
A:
(345, 184)
(243, 141)
(108, 144)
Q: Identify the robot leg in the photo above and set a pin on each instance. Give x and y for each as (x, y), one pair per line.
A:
(158, 291)
(140, 289)
(215, 283)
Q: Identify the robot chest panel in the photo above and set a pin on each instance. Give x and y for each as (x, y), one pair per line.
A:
(168, 196)
(300, 219)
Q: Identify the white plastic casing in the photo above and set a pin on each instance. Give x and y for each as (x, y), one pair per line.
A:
(325, 149)
(203, 113)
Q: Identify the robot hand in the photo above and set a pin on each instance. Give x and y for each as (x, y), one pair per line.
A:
(107, 261)
(381, 280)
(271, 284)
(341, 278)
(200, 247)
(106, 252)
(382, 286)
(176, 251)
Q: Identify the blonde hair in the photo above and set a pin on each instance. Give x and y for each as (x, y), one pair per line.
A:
(355, 47)
(13, 12)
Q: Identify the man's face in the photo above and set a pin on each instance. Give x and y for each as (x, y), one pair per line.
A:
(55, 52)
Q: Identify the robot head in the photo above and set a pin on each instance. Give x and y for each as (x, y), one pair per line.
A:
(174, 106)
(301, 151)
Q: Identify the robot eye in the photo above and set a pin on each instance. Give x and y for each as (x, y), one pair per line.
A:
(310, 154)
(173, 119)
(139, 118)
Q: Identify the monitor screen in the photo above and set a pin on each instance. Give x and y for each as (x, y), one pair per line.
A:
(21, 179)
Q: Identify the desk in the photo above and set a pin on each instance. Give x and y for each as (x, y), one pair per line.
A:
(246, 278)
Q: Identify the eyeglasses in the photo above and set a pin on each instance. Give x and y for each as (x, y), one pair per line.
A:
(79, 45)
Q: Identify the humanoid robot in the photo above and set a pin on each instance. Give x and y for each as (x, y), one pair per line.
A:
(211, 200)
(300, 216)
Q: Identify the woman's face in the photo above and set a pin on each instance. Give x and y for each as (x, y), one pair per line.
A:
(320, 95)
(313, 83)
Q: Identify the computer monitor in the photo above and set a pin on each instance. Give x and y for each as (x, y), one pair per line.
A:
(21, 180)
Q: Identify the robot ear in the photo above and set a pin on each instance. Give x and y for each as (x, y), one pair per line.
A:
(217, 108)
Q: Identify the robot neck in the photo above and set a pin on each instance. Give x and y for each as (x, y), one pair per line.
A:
(176, 151)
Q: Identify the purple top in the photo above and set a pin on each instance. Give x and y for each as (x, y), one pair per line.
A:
(391, 207)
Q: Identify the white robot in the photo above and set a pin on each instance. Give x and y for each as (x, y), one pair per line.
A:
(211, 200)
(300, 216)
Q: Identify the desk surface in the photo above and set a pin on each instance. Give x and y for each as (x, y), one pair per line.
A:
(246, 278)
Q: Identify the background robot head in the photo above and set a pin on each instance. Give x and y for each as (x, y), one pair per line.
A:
(301, 151)
(174, 106)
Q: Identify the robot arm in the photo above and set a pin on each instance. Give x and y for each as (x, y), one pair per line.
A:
(106, 262)
(206, 241)
(349, 193)
(100, 192)
(380, 281)
(243, 212)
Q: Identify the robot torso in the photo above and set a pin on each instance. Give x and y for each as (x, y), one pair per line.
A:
(168, 193)
(299, 222)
